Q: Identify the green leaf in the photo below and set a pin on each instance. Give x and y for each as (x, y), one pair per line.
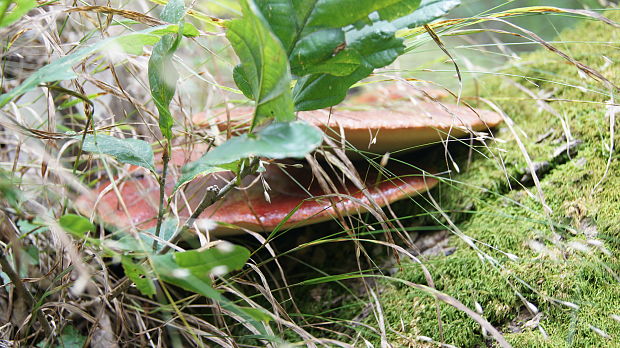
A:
(189, 30)
(34, 227)
(428, 11)
(163, 77)
(130, 244)
(62, 68)
(168, 271)
(191, 271)
(242, 82)
(316, 48)
(76, 225)
(329, 53)
(375, 44)
(71, 338)
(280, 14)
(343, 64)
(397, 10)
(323, 90)
(168, 229)
(131, 151)
(277, 140)
(173, 12)
(139, 275)
(264, 65)
(226, 256)
(351, 11)
(198, 168)
(162, 74)
(20, 9)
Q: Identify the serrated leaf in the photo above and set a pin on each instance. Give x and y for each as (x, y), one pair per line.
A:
(76, 225)
(264, 65)
(18, 11)
(62, 68)
(277, 140)
(428, 11)
(162, 74)
(131, 151)
(139, 275)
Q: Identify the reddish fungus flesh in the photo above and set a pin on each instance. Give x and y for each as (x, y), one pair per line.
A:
(248, 208)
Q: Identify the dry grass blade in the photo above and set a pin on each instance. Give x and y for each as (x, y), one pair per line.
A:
(133, 15)
(460, 306)
(439, 43)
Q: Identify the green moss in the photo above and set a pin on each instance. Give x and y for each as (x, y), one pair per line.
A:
(551, 267)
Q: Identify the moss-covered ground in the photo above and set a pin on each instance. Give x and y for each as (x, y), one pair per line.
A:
(566, 262)
(544, 278)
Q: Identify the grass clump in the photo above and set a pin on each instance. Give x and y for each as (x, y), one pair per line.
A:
(546, 279)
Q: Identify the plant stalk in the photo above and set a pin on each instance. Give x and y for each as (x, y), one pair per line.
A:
(162, 191)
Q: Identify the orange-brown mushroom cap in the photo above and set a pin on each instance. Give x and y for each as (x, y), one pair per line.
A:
(382, 130)
(248, 207)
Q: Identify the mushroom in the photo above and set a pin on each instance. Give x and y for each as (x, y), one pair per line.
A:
(292, 189)
(381, 130)
(295, 198)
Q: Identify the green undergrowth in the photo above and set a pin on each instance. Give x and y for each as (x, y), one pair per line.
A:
(564, 261)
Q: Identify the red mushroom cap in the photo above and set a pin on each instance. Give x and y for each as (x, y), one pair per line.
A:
(248, 208)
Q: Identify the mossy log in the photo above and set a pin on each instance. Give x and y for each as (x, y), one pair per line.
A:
(544, 277)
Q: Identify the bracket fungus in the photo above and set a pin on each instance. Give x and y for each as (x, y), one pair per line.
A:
(295, 199)
(286, 195)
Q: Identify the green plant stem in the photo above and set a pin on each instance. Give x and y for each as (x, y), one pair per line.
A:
(162, 191)
(24, 293)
